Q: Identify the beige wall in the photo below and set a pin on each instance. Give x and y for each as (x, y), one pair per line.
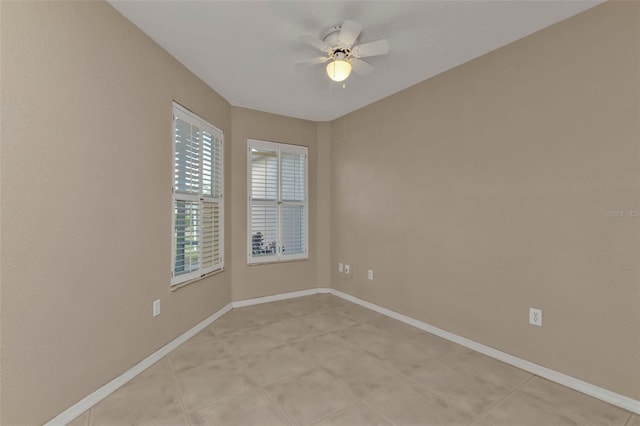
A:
(275, 278)
(481, 192)
(323, 200)
(86, 177)
(86, 109)
(473, 196)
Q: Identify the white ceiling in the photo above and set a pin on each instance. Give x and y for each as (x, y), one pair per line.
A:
(246, 51)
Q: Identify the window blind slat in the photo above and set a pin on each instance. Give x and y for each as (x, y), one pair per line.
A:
(293, 230)
(206, 163)
(210, 234)
(264, 175)
(264, 230)
(216, 167)
(293, 176)
(187, 157)
(186, 236)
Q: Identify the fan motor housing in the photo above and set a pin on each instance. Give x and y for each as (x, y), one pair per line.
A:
(340, 53)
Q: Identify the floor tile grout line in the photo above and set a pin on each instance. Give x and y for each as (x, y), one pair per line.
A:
(560, 409)
(224, 398)
(446, 398)
(326, 416)
(321, 367)
(198, 407)
(394, 368)
(517, 388)
(507, 396)
(177, 385)
(277, 407)
(372, 408)
(628, 419)
(288, 375)
(461, 364)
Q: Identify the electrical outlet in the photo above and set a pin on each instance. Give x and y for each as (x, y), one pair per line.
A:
(156, 308)
(535, 317)
(340, 267)
(370, 274)
(347, 269)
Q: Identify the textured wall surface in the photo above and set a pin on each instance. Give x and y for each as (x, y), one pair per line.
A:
(485, 190)
(86, 203)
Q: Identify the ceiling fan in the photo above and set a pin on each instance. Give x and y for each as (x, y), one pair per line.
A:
(338, 43)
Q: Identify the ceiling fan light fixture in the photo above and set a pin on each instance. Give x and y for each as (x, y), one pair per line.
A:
(338, 70)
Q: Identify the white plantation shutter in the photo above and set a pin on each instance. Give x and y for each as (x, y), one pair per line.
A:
(212, 164)
(187, 231)
(277, 214)
(264, 207)
(264, 230)
(264, 175)
(293, 230)
(293, 171)
(197, 242)
(208, 141)
(187, 157)
(210, 234)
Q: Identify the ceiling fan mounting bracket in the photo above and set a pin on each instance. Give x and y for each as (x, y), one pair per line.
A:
(327, 32)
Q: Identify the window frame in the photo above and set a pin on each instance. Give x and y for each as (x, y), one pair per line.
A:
(280, 148)
(184, 114)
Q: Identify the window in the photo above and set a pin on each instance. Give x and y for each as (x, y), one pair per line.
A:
(197, 203)
(277, 212)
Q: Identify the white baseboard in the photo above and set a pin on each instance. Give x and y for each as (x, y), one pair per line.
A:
(613, 398)
(276, 297)
(93, 398)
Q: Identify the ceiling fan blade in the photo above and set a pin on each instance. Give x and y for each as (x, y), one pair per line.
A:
(315, 42)
(361, 67)
(374, 48)
(313, 61)
(349, 33)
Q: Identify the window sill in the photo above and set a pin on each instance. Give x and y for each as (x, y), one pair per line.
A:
(275, 262)
(194, 280)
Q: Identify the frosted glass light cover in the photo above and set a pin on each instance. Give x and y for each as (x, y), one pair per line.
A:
(338, 70)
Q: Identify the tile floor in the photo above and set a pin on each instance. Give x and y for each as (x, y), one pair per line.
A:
(320, 360)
